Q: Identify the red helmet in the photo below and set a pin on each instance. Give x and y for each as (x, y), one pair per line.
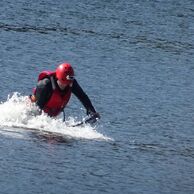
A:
(65, 73)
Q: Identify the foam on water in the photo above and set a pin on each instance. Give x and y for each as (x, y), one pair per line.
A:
(19, 112)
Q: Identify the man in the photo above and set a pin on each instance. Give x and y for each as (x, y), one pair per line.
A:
(54, 89)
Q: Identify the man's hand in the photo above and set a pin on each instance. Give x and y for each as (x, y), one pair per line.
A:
(96, 115)
(93, 114)
(93, 117)
(32, 98)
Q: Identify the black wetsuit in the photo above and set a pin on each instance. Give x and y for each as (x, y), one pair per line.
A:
(44, 91)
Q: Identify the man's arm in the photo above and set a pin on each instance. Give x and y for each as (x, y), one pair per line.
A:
(82, 96)
(43, 92)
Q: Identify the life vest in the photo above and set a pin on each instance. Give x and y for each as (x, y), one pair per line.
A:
(58, 99)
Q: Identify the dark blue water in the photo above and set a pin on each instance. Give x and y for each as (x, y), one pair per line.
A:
(135, 61)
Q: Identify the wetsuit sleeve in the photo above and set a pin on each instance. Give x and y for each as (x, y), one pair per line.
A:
(82, 96)
(43, 92)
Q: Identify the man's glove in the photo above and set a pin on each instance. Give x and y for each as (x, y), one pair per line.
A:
(93, 116)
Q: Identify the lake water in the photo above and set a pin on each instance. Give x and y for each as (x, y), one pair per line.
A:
(134, 59)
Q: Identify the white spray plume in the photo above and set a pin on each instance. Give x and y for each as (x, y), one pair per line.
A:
(18, 111)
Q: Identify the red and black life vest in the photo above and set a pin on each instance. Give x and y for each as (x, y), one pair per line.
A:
(58, 99)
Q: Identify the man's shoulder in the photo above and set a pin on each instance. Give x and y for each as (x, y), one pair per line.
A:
(44, 82)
